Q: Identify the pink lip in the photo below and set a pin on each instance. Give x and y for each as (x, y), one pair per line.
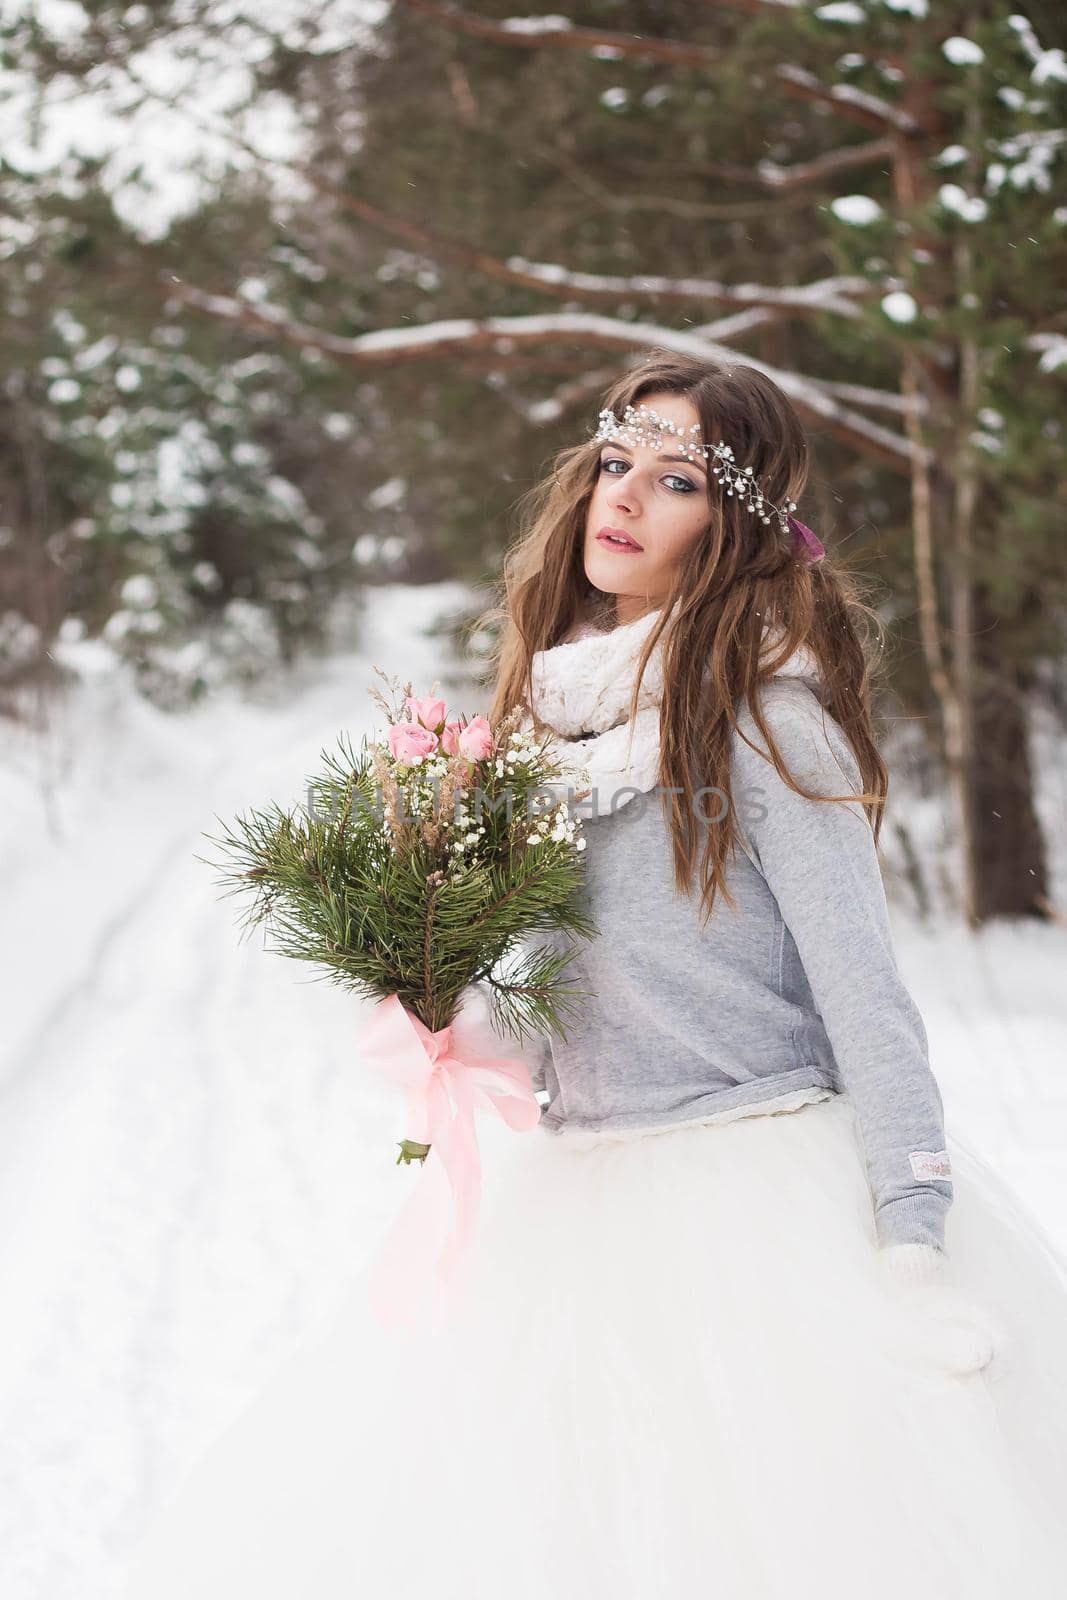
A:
(631, 549)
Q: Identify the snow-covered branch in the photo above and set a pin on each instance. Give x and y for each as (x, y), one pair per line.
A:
(837, 296)
(859, 394)
(834, 296)
(501, 335)
(845, 98)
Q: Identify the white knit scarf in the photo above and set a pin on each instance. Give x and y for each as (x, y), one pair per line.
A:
(582, 688)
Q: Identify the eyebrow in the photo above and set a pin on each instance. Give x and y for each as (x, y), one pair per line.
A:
(684, 459)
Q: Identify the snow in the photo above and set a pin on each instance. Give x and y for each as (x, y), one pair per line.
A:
(971, 207)
(962, 52)
(856, 209)
(536, 25)
(1048, 66)
(1051, 67)
(842, 11)
(1053, 347)
(193, 1166)
(900, 306)
(167, 122)
(1036, 150)
(140, 590)
(190, 1159)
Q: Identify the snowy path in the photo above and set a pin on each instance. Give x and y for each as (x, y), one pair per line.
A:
(192, 1168)
(189, 1165)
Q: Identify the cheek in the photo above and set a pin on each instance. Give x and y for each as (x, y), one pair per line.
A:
(683, 530)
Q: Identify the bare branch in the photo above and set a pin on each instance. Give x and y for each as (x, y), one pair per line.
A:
(766, 175)
(783, 7)
(533, 33)
(610, 199)
(828, 165)
(559, 33)
(835, 296)
(832, 296)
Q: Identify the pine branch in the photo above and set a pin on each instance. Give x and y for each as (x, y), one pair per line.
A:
(530, 999)
(381, 903)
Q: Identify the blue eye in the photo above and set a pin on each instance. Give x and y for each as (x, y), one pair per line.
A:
(617, 461)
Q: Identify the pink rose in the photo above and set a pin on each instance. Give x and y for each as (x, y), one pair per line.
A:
(450, 737)
(431, 713)
(476, 739)
(408, 742)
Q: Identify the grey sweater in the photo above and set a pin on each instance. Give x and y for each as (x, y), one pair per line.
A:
(793, 995)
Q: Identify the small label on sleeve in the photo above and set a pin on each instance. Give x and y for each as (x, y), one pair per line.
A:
(928, 1164)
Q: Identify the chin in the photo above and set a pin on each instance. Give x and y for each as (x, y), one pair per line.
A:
(603, 573)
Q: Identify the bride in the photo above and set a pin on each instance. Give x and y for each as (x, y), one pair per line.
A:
(745, 1318)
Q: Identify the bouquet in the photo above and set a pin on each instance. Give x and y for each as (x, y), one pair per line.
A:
(419, 867)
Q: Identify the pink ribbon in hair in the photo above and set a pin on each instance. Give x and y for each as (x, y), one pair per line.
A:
(443, 1091)
(805, 540)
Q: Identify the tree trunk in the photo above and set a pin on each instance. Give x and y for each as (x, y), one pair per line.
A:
(1010, 869)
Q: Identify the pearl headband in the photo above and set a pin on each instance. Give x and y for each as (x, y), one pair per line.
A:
(646, 426)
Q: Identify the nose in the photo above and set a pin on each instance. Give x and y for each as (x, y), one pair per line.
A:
(622, 493)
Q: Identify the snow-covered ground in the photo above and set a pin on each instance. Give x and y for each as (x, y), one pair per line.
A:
(192, 1167)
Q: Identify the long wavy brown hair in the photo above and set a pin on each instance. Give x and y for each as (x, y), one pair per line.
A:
(738, 576)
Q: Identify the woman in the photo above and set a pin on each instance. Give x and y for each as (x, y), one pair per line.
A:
(745, 1319)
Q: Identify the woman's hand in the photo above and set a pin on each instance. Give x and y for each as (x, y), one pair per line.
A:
(939, 1325)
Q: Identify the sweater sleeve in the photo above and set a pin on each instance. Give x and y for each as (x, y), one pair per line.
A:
(820, 862)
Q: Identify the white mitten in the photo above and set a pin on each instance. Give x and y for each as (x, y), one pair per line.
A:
(940, 1326)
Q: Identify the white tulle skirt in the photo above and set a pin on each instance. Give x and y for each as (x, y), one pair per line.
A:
(677, 1374)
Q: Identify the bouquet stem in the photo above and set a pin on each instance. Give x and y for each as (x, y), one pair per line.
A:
(410, 1151)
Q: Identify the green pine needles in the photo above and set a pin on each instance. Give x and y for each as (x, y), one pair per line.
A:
(419, 865)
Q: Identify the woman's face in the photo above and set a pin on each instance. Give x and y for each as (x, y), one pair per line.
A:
(660, 502)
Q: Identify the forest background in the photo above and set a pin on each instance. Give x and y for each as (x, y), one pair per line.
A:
(298, 300)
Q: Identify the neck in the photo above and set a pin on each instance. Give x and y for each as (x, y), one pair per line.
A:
(630, 608)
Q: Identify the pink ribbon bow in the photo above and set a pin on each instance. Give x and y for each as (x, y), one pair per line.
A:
(806, 542)
(443, 1091)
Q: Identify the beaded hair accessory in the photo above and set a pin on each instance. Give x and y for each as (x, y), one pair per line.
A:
(646, 426)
